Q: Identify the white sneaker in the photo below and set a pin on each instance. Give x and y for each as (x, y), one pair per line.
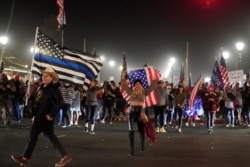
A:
(92, 132)
(179, 130)
(232, 125)
(193, 124)
(186, 124)
(102, 121)
(227, 125)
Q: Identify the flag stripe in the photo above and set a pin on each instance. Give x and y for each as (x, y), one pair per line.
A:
(224, 72)
(65, 63)
(194, 93)
(61, 19)
(71, 66)
(64, 74)
(146, 75)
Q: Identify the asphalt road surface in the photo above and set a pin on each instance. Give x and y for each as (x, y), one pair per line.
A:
(194, 147)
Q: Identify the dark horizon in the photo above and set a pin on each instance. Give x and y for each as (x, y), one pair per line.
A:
(149, 32)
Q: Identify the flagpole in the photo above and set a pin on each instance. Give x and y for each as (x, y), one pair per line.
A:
(187, 55)
(31, 66)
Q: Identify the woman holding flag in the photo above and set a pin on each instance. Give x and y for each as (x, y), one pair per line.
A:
(137, 96)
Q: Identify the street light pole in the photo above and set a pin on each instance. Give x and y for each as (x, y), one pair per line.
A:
(239, 47)
(3, 41)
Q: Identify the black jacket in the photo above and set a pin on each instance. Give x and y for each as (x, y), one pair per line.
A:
(48, 100)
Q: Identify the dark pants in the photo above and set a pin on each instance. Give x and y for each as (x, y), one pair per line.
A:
(90, 114)
(65, 115)
(134, 116)
(178, 116)
(108, 105)
(120, 107)
(48, 130)
(210, 119)
(159, 115)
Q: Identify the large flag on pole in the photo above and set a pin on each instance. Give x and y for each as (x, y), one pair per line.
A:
(61, 18)
(194, 92)
(72, 66)
(216, 78)
(224, 72)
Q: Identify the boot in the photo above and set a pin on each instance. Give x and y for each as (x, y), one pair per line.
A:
(142, 137)
(131, 143)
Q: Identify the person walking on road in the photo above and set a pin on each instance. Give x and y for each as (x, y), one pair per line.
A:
(210, 104)
(48, 102)
(137, 97)
(91, 105)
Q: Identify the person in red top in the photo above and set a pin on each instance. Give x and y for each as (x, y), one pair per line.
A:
(210, 104)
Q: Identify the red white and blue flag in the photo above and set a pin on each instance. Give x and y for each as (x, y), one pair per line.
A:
(61, 19)
(194, 93)
(224, 72)
(146, 76)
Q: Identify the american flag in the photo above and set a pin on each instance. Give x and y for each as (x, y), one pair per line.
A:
(224, 72)
(71, 66)
(61, 19)
(194, 93)
(146, 76)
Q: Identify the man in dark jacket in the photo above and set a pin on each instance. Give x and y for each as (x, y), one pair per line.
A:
(48, 101)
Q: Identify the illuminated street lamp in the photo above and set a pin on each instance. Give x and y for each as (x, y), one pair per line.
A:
(239, 46)
(111, 63)
(3, 40)
(225, 54)
(170, 68)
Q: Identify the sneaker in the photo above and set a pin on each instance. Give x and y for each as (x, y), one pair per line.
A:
(64, 126)
(193, 124)
(232, 125)
(85, 130)
(92, 132)
(227, 125)
(102, 121)
(66, 159)
(18, 159)
(110, 122)
(210, 130)
(75, 123)
(170, 125)
(186, 124)
(179, 130)
(157, 130)
(162, 130)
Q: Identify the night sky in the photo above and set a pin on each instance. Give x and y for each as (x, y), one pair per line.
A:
(149, 31)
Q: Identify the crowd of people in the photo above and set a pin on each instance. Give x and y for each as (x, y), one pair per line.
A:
(104, 103)
(12, 92)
